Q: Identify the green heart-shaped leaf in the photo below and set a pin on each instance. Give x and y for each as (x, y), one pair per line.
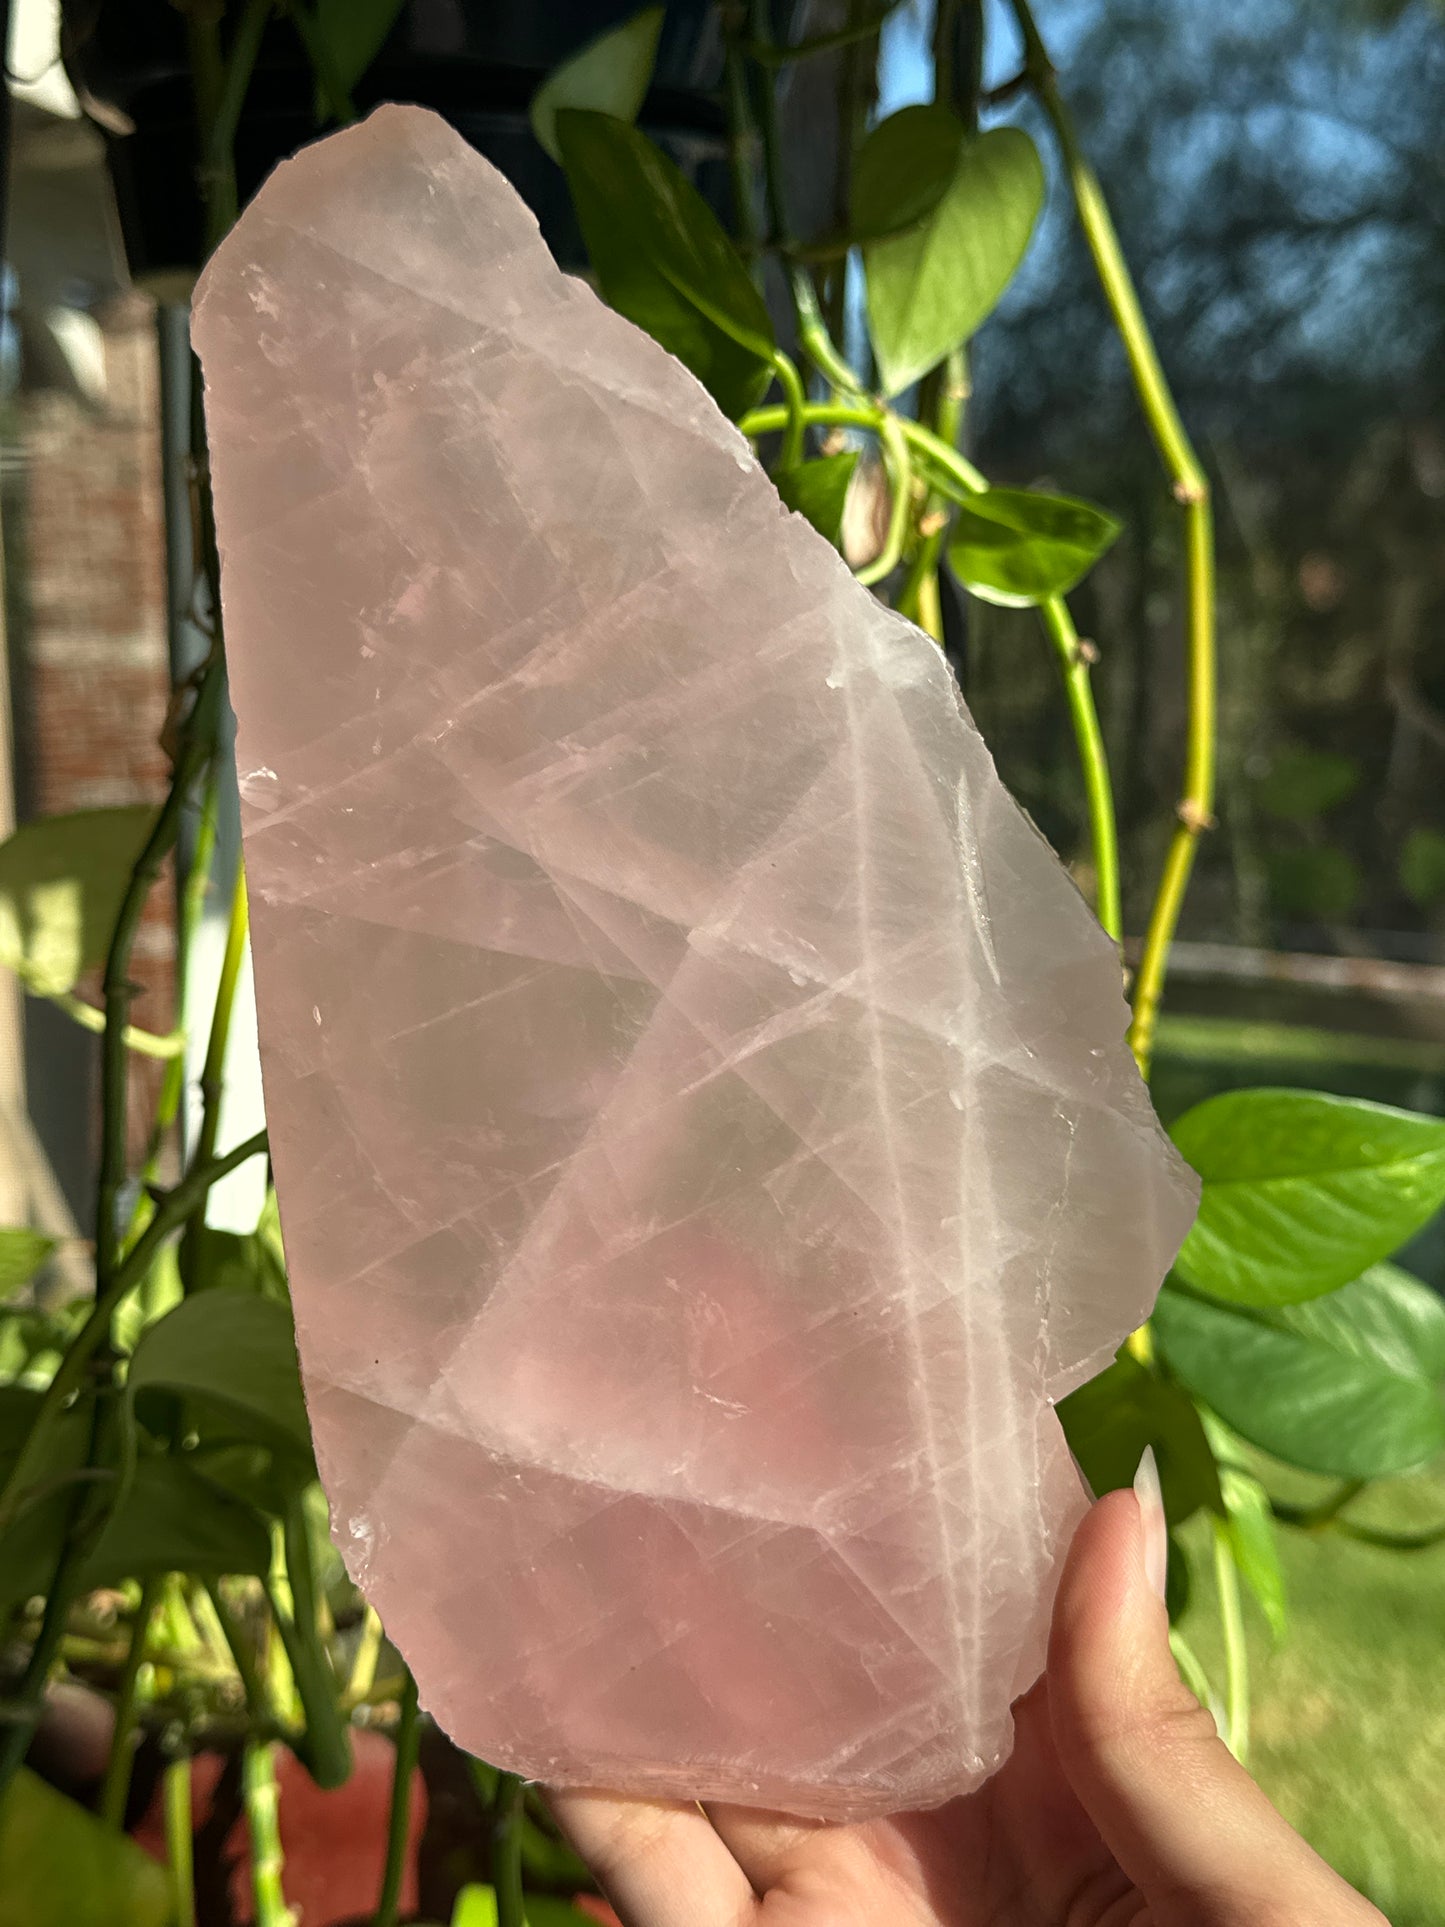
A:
(903, 170)
(610, 74)
(173, 1519)
(662, 258)
(353, 32)
(1302, 1192)
(1016, 547)
(819, 491)
(1110, 1421)
(1348, 1384)
(229, 1354)
(929, 289)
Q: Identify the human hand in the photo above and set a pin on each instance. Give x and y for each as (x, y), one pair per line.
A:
(1119, 1807)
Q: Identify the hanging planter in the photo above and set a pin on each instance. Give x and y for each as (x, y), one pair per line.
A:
(475, 62)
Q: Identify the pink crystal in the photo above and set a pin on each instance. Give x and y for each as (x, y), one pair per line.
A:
(704, 1134)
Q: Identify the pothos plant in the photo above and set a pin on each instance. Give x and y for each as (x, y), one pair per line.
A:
(162, 1535)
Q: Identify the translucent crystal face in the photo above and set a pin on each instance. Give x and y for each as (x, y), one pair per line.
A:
(704, 1134)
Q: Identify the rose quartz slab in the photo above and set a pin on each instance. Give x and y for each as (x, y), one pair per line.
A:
(704, 1132)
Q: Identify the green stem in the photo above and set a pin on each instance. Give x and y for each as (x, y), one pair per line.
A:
(173, 1085)
(398, 1826)
(816, 342)
(1083, 716)
(1196, 805)
(220, 92)
(1236, 1654)
(173, 1210)
(816, 414)
(507, 1851)
(115, 1788)
(948, 460)
(1190, 1670)
(84, 1524)
(263, 1823)
(194, 753)
(192, 911)
(214, 1068)
(791, 383)
(918, 597)
(1093, 760)
(145, 1043)
(1191, 490)
(180, 1845)
(258, 1700)
(327, 1744)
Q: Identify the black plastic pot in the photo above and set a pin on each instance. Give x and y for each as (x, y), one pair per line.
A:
(476, 62)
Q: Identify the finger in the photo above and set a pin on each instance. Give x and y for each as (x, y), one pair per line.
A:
(765, 1845)
(1182, 1817)
(874, 1872)
(660, 1862)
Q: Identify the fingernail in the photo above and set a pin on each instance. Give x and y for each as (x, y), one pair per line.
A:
(1148, 1492)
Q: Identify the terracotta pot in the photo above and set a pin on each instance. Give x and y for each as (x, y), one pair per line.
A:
(334, 1844)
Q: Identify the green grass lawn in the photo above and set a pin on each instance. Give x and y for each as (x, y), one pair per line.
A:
(1349, 1712)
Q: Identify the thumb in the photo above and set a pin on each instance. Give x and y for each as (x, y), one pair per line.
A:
(1178, 1812)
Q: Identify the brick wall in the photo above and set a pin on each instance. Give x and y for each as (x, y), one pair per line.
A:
(86, 594)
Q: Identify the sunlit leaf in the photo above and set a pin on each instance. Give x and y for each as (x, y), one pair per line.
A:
(61, 883)
(662, 258)
(903, 170)
(929, 289)
(1348, 1384)
(1302, 1191)
(610, 74)
(476, 1906)
(1014, 546)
